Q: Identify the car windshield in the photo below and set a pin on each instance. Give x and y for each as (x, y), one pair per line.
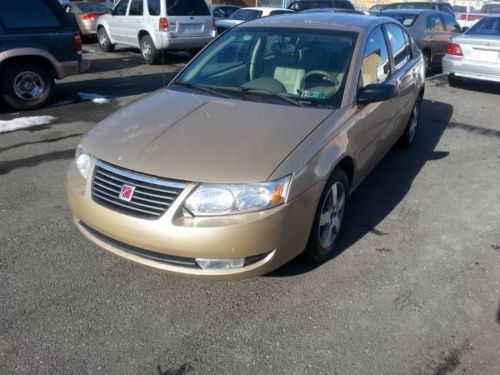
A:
(246, 14)
(284, 66)
(486, 26)
(89, 7)
(407, 19)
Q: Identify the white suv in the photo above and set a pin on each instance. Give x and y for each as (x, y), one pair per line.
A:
(156, 25)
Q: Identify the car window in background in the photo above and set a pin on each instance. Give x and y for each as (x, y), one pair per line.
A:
(376, 66)
(121, 8)
(89, 7)
(490, 8)
(246, 14)
(187, 8)
(486, 26)
(434, 23)
(154, 7)
(136, 8)
(227, 11)
(27, 14)
(400, 45)
(450, 24)
(277, 12)
(407, 19)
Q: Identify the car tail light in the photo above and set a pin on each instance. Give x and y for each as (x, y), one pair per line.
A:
(91, 16)
(77, 43)
(163, 24)
(454, 49)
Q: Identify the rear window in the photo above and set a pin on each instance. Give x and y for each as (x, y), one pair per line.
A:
(486, 26)
(89, 7)
(407, 19)
(187, 8)
(317, 4)
(28, 14)
(491, 8)
(246, 14)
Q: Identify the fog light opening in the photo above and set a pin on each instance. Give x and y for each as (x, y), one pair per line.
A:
(220, 264)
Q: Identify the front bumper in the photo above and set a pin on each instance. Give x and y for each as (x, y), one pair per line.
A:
(271, 238)
(460, 67)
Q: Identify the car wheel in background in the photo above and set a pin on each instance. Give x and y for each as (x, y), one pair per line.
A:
(454, 81)
(27, 85)
(408, 136)
(427, 61)
(148, 50)
(325, 233)
(104, 41)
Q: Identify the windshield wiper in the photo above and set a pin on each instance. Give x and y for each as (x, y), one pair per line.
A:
(207, 89)
(272, 93)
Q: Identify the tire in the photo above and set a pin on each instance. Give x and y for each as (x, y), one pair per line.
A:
(453, 81)
(104, 41)
(427, 61)
(410, 133)
(325, 234)
(149, 51)
(27, 85)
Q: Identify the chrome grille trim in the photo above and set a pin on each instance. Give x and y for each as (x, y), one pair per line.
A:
(152, 196)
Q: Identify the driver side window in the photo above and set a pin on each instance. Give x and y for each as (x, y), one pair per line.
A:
(376, 66)
(121, 8)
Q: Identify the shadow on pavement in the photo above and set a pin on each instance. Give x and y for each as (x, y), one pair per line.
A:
(387, 184)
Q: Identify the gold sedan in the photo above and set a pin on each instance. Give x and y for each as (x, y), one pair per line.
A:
(249, 156)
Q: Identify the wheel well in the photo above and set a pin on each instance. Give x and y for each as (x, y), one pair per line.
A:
(34, 59)
(142, 33)
(347, 165)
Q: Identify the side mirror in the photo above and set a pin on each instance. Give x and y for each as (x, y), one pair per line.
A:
(376, 92)
(465, 28)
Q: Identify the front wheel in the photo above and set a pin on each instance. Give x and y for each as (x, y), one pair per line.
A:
(408, 136)
(324, 238)
(27, 85)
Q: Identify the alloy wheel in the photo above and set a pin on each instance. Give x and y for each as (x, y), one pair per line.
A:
(29, 86)
(332, 214)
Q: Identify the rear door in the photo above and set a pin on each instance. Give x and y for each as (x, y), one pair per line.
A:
(437, 37)
(132, 23)
(188, 18)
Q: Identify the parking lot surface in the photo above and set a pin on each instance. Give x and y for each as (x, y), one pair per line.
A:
(416, 289)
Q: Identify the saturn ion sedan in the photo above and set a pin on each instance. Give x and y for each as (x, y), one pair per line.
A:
(248, 157)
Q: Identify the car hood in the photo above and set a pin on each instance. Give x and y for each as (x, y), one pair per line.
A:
(185, 136)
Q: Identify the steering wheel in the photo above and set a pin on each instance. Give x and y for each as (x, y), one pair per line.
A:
(330, 77)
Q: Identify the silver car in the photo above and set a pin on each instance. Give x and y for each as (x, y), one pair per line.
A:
(475, 54)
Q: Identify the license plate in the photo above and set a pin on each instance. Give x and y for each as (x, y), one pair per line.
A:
(484, 55)
(191, 28)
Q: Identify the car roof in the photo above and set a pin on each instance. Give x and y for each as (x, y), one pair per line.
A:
(321, 20)
(412, 11)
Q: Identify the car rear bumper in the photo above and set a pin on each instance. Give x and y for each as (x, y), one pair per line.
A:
(71, 68)
(173, 242)
(459, 67)
(87, 27)
(172, 42)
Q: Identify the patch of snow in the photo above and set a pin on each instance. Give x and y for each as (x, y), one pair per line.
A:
(94, 98)
(25, 122)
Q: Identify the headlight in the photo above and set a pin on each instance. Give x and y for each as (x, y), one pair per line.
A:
(210, 200)
(82, 161)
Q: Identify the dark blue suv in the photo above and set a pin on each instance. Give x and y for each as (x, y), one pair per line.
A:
(39, 42)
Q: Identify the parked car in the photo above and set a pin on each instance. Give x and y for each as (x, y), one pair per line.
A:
(301, 5)
(442, 7)
(85, 14)
(38, 43)
(475, 54)
(223, 11)
(431, 30)
(156, 25)
(468, 19)
(247, 14)
(334, 10)
(248, 158)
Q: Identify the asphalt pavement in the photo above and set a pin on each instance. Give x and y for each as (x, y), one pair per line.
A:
(416, 289)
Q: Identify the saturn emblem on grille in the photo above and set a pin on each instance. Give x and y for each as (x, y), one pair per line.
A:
(126, 193)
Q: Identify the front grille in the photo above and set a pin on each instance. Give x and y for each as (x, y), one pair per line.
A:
(151, 198)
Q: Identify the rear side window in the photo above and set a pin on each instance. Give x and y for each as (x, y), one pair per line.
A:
(187, 8)
(28, 14)
(376, 66)
(450, 24)
(154, 7)
(136, 8)
(400, 45)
